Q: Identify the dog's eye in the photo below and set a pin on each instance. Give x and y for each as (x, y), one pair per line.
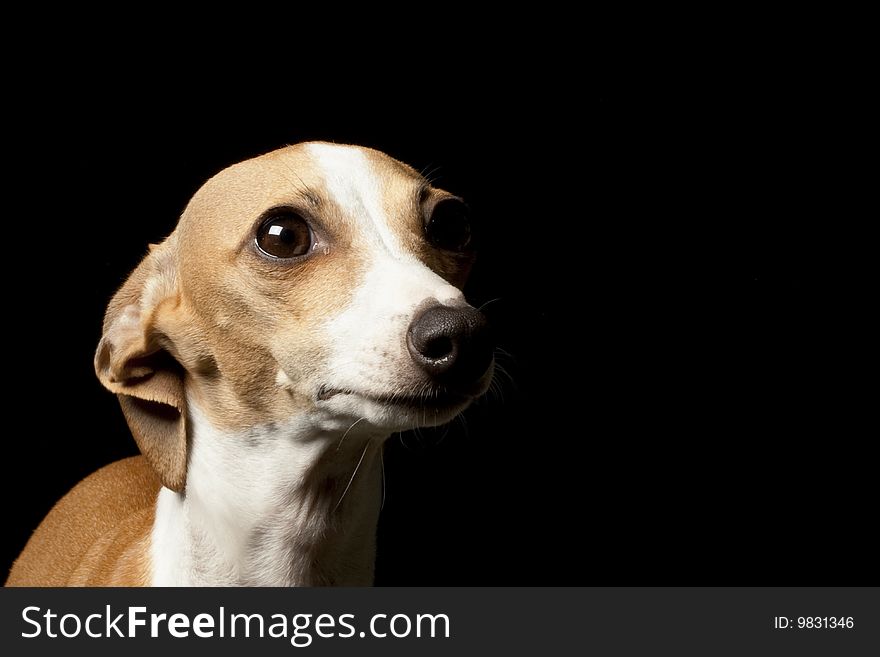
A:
(284, 235)
(449, 226)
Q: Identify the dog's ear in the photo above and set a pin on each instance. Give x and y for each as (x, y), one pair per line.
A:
(134, 360)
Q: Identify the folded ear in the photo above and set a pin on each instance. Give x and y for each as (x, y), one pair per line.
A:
(134, 361)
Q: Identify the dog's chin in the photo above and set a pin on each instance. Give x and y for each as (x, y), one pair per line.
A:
(397, 412)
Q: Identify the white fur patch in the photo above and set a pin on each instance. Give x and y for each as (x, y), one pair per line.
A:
(234, 524)
(282, 380)
(169, 551)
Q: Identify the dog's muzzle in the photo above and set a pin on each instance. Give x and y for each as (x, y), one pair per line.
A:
(453, 346)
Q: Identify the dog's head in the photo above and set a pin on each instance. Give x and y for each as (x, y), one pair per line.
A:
(316, 281)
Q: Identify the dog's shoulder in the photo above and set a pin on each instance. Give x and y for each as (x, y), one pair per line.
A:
(101, 527)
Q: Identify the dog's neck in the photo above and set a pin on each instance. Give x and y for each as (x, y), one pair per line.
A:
(293, 504)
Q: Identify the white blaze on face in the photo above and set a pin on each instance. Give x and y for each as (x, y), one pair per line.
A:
(369, 337)
(354, 184)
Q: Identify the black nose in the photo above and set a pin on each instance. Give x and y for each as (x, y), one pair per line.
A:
(453, 345)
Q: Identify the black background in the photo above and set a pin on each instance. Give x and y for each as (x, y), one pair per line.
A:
(665, 251)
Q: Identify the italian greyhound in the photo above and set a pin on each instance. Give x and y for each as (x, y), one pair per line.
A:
(307, 305)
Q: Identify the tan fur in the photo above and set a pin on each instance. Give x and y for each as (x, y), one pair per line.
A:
(97, 534)
(227, 312)
(131, 361)
(408, 201)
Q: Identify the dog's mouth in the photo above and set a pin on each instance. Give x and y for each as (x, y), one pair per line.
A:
(434, 398)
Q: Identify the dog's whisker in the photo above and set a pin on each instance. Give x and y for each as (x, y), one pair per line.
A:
(429, 173)
(347, 431)
(445, 433)
(382, 463)
(464, 425)
(408, 447)
(308, 191)
(356, 468)
(505, 353)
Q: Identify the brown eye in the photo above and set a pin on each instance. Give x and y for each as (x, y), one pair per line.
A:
(284, 235)
(449, 227)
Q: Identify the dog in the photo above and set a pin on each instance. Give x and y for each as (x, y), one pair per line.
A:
(307, 305)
